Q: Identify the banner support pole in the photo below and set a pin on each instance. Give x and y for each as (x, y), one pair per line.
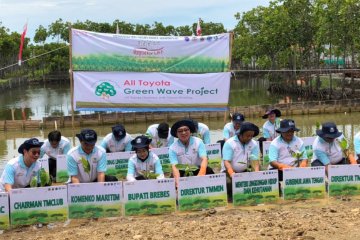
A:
(71, 78)
(231, 40)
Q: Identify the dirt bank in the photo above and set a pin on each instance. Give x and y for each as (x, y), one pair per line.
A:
(325, 219)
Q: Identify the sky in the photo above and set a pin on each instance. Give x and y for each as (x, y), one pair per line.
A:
(14, 13)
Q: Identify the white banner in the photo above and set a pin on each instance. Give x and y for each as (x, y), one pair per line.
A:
(38, 205)
(252, 188)
(344, 180)
(92, 51)
(304, 183)
(148, 197)
(201, 192)
(156, 91)
(94, 200)
(4, 211)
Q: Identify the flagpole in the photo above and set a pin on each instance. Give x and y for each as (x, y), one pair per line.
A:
(71, 77)
(231, 40)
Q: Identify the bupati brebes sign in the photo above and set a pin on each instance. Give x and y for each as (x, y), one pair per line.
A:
(155, 91)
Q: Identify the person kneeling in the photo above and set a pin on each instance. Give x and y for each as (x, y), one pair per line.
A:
(143, 163)
(87, 162)
(283, 148)
(187, 150)
(241, 152)
(326, 147)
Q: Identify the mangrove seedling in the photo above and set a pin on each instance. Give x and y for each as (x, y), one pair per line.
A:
(187, 168)
(297, 155)
(34, 182)
(343, 143)
(86, 165)
(45, 179)
(149, 174)
(249, 168)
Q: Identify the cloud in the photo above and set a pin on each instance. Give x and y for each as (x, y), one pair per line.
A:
(14, 13)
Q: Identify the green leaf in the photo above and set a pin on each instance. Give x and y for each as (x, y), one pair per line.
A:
(85, 164)
(44, 178)
(187, 168)
(343, 144)
(33, 182)
(297, 154)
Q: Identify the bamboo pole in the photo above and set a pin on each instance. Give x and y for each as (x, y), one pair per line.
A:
(231, 40)
(71, 77)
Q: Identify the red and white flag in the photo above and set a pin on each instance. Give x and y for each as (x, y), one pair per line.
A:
(198, 28)
(22, 44)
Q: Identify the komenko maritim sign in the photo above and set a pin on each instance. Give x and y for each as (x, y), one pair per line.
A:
(38, 205)
(155, 91)
(95, 200)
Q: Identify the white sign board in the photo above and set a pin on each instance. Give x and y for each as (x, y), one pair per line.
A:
(214, 156)
(61, 169)
(4, 211)
(44, 163)
(163, 154)
(265, 152)
(252, 188)
(38, 205)
(117, 164)
(344, 180)
(95, 200)
(148, 197)
(201, 192)
(304, 183)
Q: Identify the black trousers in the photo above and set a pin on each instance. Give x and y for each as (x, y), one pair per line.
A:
(195, 173)
(52, 168)
(108, 179)
(318, 163)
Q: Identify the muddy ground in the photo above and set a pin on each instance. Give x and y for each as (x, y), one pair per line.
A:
(310, 219)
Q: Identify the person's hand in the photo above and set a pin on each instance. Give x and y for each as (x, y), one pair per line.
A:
(283, 166)
(202, 171)
(303, 164)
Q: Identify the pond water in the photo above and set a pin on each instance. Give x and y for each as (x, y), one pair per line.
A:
(37, 101)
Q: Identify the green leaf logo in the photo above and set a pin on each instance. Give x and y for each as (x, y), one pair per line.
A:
(105, 90)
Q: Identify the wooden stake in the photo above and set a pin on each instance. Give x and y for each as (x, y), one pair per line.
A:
(13, 114)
